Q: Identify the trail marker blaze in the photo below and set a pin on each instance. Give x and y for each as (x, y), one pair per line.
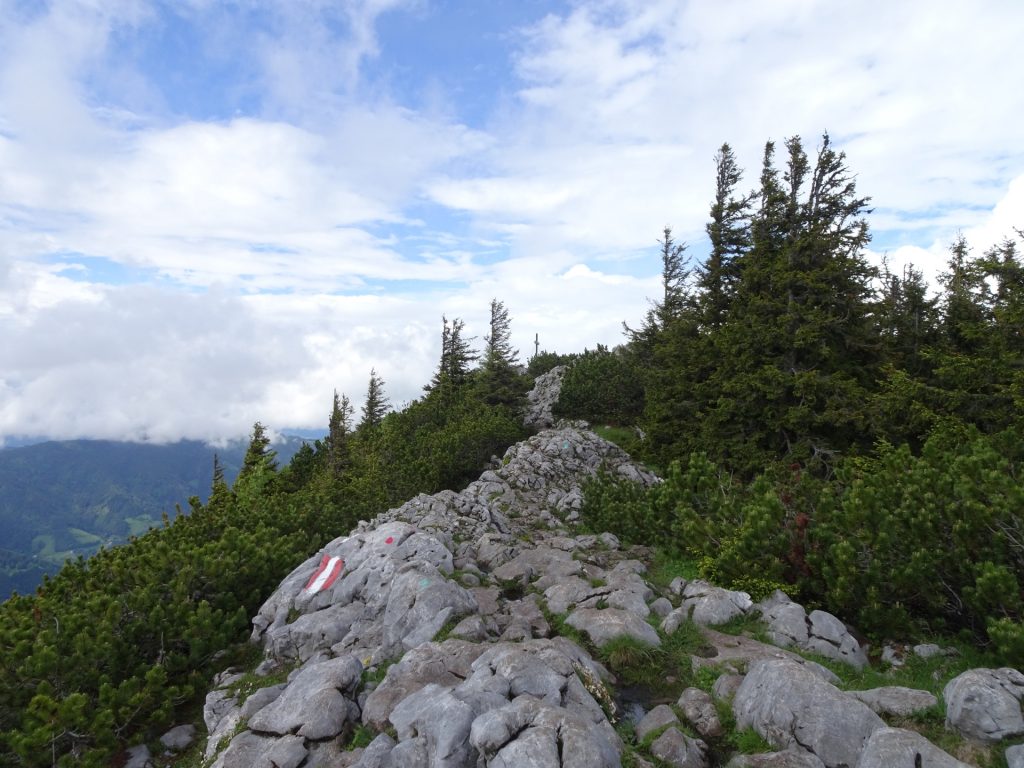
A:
(325, 574)
(389, 540)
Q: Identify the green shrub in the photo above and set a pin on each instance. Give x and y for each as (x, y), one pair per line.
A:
(602, 385)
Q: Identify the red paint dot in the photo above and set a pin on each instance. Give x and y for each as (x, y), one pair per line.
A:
(389, 540)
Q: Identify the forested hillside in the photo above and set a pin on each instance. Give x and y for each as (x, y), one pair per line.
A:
(824, 425)
(61, 500)
(112, 648)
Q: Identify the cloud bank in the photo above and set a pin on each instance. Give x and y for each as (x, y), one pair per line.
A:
(214, 214)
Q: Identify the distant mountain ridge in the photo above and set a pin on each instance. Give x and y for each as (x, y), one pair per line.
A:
(62, 499)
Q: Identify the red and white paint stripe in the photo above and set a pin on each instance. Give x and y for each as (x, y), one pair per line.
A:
(325, 574)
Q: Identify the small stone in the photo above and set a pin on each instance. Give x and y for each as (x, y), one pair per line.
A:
(679, 750)
(725, 686)
(179, 738)
(139, 757)
(661, 607)
(658, 717)
(892, 656)
(699, 709)
(928, 650)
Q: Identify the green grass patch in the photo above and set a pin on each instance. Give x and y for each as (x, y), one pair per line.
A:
(665, 670)
(745, 625)
(667, 566)
(706, 677)
(557, 622)
(443, 633)
(361, 737)
(747, 741)
(633, 661)
(624, 437)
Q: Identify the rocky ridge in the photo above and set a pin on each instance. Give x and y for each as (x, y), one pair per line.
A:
(460, 631)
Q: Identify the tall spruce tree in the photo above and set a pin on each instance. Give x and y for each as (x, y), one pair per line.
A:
(338, 428)
(499, 380)
(673, 304)
(376, 405)
(729, 232)
(457, 355)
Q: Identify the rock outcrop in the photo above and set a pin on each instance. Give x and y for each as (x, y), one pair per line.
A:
(441, 634)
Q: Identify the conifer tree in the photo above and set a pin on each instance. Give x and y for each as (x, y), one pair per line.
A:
(442, 366)
(785, 374)
(338, 428)
(376, 405)
(730, 236)
(258, 456)
(964, 300)
(220, 493)
(457, 354)
(673, 304)
(461, 354)
(500, 382)
(908, 319)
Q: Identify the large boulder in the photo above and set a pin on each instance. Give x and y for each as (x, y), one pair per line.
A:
(985, 704)
(603, 626)
(793, 708)
(317, 702)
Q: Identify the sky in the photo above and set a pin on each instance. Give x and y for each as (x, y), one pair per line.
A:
(213, 213)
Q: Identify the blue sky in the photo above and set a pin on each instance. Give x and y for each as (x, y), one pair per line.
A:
(218, 212)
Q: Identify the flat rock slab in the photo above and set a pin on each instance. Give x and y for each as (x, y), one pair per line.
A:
(897, 748)
(785, 759)
(603, 626)
(793, 708)
(740, 652)
(895, 700)
(984, 704)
